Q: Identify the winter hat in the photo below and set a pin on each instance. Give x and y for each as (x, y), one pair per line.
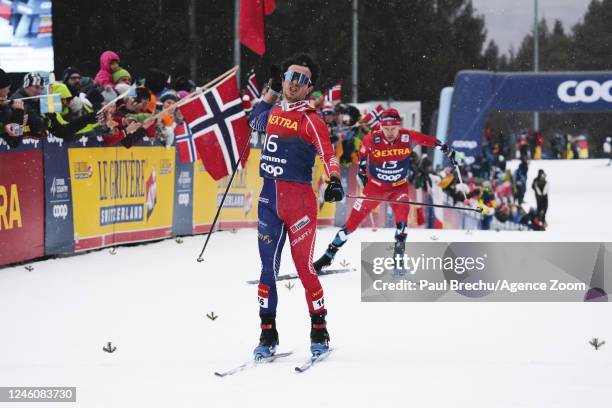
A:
(68, 73)
(4, 79)
(170, 95)
(541, 173)
(62, 89)
(120, 73)
(32, 79)
(328, 108)
(390, 117)
(182, 94)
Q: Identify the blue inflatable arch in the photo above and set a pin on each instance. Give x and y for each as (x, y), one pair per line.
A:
(477, 93)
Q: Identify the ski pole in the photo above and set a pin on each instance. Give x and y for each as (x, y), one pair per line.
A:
(454, 207)
(460, 180)
(214, 223)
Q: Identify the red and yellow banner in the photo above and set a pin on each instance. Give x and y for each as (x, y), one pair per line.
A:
(121, 195)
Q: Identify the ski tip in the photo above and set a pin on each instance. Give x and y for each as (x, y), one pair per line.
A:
(219, 374)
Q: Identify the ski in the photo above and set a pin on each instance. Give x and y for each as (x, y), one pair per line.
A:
(312, 361)
(252, 363)
(295, 276)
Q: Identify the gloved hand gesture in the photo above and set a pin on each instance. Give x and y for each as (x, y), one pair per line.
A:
(450, 153)
(276, 78)
(334, 191)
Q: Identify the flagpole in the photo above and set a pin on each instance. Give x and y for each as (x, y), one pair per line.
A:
(237, 37)
(200, 89)
(35, 97)
(214, 223)
(132, 87)
(355, 67)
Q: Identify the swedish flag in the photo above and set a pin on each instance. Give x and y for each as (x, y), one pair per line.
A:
(50, 103)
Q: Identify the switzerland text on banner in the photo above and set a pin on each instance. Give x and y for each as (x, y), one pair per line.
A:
(218, 127)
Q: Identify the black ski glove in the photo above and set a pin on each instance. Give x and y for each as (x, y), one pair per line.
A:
(276, 83)
(334, 191)
(449, 152)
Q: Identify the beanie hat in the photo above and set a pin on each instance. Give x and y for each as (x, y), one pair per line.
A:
(169, 95)
(182, 94)
(328, 108)
(390, 117)
(68, 73)
(61, 89)
(4, 79)
(120, 73)
(32, 79)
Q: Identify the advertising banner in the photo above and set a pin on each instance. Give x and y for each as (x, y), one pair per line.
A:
(21, 205)
(240, 207)
(59, 228)
(121, 195)
(183, 199)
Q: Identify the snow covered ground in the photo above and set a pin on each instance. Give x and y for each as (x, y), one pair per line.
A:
(151, 301)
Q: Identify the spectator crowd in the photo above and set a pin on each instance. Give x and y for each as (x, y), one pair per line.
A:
(123, 110)
(112, 104)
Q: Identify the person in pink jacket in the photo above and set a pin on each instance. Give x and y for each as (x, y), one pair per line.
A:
(109, 63)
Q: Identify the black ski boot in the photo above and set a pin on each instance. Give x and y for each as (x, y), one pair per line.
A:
(319, 337)
(328, 256)
(399, 248)
(268, 340)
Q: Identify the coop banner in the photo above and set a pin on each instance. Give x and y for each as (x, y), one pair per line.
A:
(121, 195)
(240, 206)
(486, 272)
(21, 205)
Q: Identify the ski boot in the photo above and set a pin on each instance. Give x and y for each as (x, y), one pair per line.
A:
(319, 337)
(328, 256)
(268, 340)
(399, 247)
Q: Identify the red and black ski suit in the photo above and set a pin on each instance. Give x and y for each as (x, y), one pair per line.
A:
(295, 133)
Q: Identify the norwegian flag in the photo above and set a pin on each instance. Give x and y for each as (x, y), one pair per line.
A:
(252, 88)
(184, 144)
(219, 128)
(334, 94)
(372, 118)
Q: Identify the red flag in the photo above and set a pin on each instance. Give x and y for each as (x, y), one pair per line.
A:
(252, 33)
(334, 94)
(218, 126)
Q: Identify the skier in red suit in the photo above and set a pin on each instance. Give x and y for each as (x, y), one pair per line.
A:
(383, 168)
(295, 134)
